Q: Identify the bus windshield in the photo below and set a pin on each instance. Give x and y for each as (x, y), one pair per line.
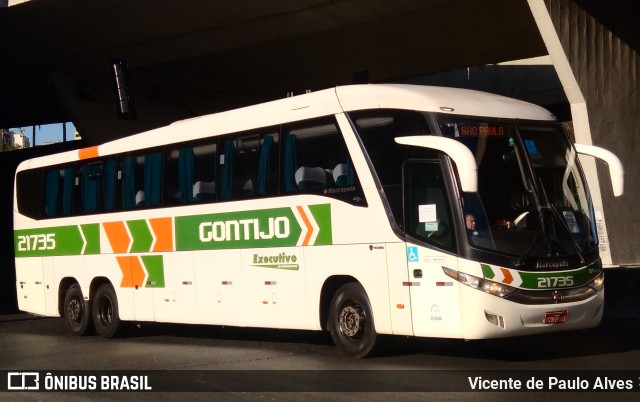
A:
(532, 199)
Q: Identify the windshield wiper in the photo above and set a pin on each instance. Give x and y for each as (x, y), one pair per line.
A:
(520, 261)
(556, 214)
(533, 190)
(528, 175)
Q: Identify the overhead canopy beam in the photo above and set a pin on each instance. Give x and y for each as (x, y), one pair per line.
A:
(199, 56)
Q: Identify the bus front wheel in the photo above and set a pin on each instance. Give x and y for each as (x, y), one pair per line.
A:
(77, 311)
(351, 321)
(105, 312)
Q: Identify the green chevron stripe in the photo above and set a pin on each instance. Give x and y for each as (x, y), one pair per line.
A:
(487, 271)
(154, 264)
(92, 236)
(142, 237)
(322, 214)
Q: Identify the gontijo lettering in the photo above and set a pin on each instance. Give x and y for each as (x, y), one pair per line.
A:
(277, 227)
(244, 229)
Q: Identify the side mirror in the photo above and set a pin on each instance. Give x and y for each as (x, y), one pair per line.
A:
(616, 171)
(461, 155)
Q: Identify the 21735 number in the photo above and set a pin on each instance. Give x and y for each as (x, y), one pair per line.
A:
(37, 242)
(555, 282)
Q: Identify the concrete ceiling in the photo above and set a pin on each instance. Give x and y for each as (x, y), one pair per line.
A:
(192, 57)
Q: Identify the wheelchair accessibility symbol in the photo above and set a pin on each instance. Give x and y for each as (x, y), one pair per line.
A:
(412, 254)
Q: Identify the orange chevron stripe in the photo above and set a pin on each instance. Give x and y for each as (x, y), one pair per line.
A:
(118, 236)
(88, 153)
(125, 267)
(163, 230)
(305, 242)
(133, 272)
(137, 272)
(508, 278)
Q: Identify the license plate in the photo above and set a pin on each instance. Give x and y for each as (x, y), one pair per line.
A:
(556, 317)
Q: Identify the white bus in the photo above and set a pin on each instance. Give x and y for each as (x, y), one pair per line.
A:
(361, 210)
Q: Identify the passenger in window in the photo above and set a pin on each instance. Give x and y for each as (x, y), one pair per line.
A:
(470, 222)
(477, 237)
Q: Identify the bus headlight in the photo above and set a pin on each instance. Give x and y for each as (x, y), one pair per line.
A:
(491, 287)
(598, 283)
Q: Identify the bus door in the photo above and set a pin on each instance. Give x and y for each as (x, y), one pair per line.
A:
(428, 223)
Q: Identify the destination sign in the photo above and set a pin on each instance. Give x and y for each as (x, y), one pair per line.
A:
(468, 129)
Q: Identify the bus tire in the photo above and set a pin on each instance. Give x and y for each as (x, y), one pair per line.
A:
(106, 316)
(351, 321)
(77, 312)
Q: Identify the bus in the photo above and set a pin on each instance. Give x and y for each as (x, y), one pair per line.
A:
(363, 210)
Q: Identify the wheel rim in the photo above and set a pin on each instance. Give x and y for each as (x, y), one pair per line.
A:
(105, 311)
(352, 321)
(75, 310)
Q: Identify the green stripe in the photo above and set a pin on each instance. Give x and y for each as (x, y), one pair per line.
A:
(551, 280)
(248, 229)
(322, 215)
(92, 236)
(487, 271)
(57, 241)
(142, 238)
(277, 227)
(154, 265)
(560, 279)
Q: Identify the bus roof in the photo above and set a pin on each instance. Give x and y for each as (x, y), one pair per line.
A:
(438, 99)
(340, 99)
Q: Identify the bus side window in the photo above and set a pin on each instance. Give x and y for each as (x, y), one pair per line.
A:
(245, 168)
(289, 163)
(189, 173)
(90, 175)
(267, 181)
(179, 169)
(248, 165)
(96, 186)
(127, 177)
(141, 180)
(205, 172)
(172, 195)
(109, 184)
(152, 179)
(226, 168)
(314, 149)
(30, 197)
(312, 153)
(316, 161)
(426, 209)
(58, 191)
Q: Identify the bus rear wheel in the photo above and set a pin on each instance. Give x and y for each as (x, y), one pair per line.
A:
(106, 316)
(77, 311)
(351, 321)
